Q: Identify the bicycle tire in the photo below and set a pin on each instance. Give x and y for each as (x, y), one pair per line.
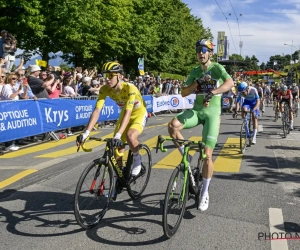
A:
(284, 124)
(145, 172)
(276, 116)
(82, 218)
(169, 232)
(249, 129)
(243, 136)
(199, 183)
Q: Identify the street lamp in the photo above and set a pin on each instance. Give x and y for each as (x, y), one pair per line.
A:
(292, 46)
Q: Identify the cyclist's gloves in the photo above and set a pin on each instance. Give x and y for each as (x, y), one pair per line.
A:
(200, 81)
(208, 97)
(80, 139)
(117, 142)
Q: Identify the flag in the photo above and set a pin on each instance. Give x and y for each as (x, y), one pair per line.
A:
(142, 72)
(41, 63)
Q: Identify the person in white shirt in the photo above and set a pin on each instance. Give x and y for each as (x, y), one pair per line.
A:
(11, 92)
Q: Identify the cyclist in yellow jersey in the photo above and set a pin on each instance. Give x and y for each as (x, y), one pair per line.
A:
(133, 116)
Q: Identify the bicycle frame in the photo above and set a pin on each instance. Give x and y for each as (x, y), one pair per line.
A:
(187, 168)
(109, 157)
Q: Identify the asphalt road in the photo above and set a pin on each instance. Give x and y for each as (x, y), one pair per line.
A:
(251, 195)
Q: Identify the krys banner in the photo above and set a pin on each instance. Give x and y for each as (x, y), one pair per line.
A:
(19, 119)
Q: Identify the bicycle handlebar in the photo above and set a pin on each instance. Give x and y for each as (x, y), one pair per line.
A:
(161, 140)
(85, 149)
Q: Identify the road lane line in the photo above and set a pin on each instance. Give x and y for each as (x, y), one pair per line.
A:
(277, 226)
(260, 128)
(173, 159)
(151, 143)
(16, 177)
(41, 147)
(229, 159)
(73, 150)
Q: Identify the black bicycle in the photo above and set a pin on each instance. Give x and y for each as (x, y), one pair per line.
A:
(286, 120)
(95, 187)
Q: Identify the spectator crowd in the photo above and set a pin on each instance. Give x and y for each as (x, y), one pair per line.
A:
(35, 83)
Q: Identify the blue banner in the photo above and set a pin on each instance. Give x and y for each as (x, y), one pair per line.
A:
(149, 102)
(19, 119)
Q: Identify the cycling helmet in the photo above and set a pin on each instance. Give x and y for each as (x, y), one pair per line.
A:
(112, 67)
(242, 86)
(294, 84)
(284, 88)
(206, 43)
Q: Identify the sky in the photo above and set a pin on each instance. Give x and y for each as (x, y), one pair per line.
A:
(263, 26)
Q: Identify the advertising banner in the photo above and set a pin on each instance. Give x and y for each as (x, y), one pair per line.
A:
(221, 43)
(19, 119)
(172, 102)
(149, 102)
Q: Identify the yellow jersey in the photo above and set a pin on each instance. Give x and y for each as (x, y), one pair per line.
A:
(128, 98)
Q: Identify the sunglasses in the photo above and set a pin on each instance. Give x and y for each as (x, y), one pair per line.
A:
(14, 78)
(202, 49)
(20, 74)
(111, 75)
(2, 76)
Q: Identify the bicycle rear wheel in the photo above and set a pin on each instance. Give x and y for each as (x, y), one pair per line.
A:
(137, 185)
(93, 194)
(175, 201)
(243, 138)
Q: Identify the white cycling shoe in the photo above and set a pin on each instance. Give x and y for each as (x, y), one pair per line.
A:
(137, 165)
(204, 202)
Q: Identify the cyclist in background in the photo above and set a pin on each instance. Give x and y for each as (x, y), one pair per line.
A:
(274, 95)
(285, 96)
(267, 93)
(295, 93)
(251, 102)
(133, 116)
(209, 80)
(260, 92)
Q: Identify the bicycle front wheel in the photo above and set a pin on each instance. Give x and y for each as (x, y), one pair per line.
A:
(93, 194)
(175, 201)
(284, 124)
(243, 138)
(137, 185)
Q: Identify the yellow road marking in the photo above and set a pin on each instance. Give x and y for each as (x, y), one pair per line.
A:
(157, 125)
(73, 150)
(151, 143)
(173, 159)
(41, 147)
(16, 177)
(229, 158)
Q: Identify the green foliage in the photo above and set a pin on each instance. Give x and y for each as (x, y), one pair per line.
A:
(90, 33)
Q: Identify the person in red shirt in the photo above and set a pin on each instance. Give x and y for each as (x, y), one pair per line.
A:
(285, 96)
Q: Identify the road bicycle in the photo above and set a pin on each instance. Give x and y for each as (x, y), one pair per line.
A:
(276, 109)
(261, 106)
(94, 190)
(286, 120)
(184, 182)
(296, 107)
(246, 131)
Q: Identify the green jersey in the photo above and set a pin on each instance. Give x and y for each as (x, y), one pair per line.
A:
(213, 77)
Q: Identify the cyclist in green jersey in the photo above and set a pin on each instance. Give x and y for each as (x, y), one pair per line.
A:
(209, 81)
